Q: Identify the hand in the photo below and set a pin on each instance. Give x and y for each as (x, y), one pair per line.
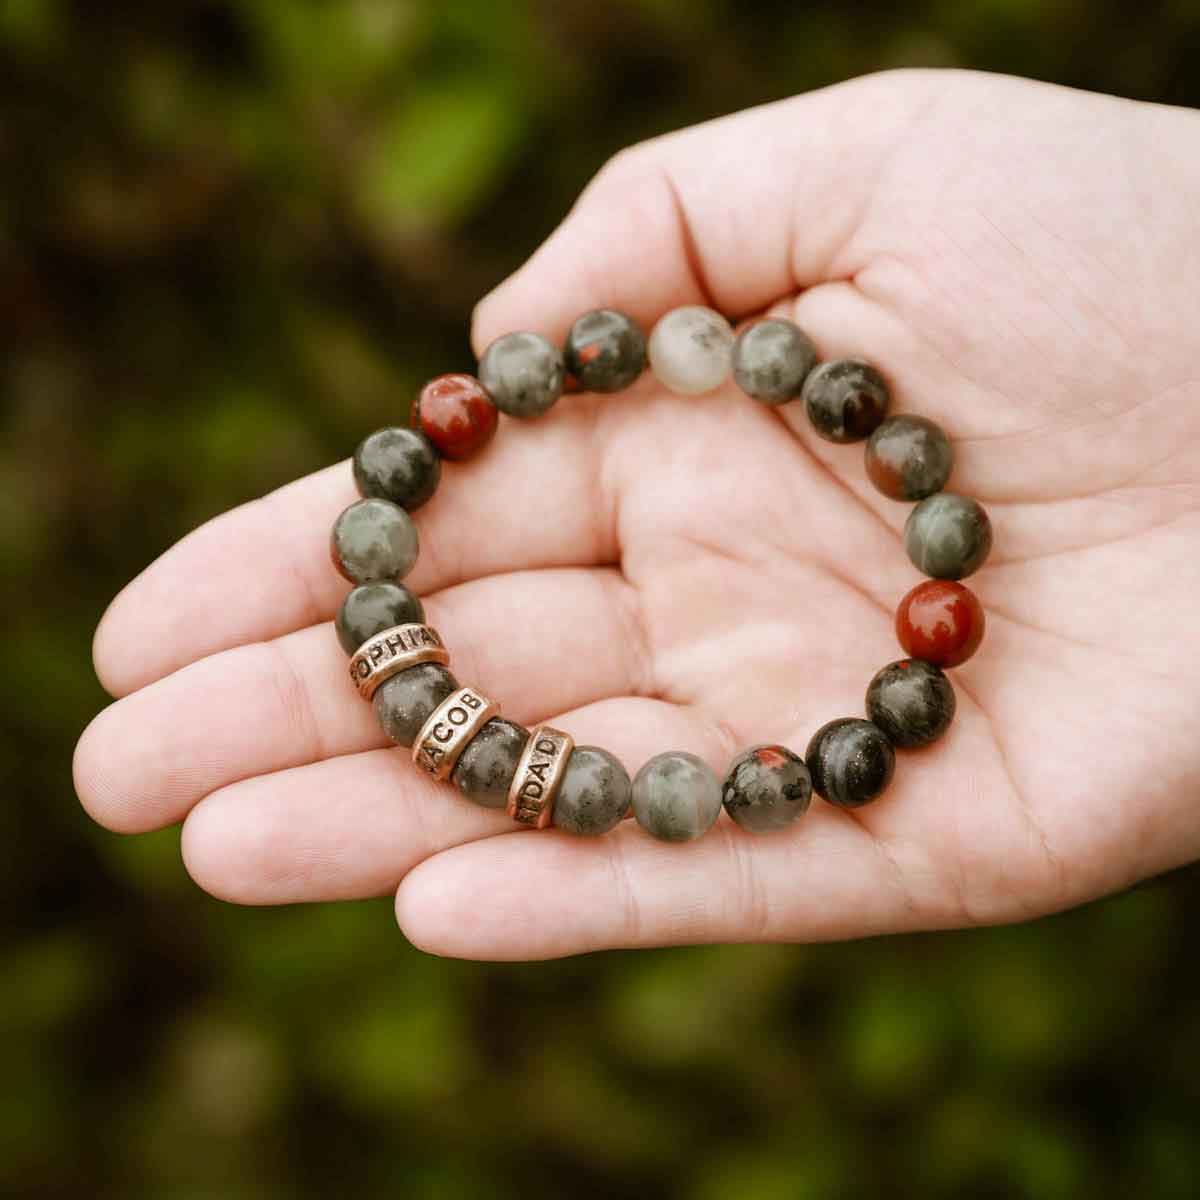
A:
(653, 572)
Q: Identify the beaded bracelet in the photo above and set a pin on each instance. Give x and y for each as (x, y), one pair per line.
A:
(540, 776)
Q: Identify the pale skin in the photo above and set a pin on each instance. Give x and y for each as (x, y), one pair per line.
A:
(655, 572)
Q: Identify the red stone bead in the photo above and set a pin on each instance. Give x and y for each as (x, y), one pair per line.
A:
(456, 414)
(941, 622)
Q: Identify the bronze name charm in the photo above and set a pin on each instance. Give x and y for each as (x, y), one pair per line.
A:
(450, 727)
(539, 773)
(392, 651)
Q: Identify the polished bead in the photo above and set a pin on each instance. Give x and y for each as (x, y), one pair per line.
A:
(772, 359)
(911, 701)
(845, 400)
(941, 622)
(767, 788)
(486, 766)
(909, 457)
(371, 608)
(676, 796)
(605, 351)
(594, 794)
(523, 374)
(405, 702)
(373, 540)
(948, 536)
(396, 464)
(456, 414)
(850, 761)
(690, 350)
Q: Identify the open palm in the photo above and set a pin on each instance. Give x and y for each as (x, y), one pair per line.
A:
(655, 572)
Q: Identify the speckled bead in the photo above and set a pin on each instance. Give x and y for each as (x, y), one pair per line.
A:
(457, 415)
(605, 351)
(594, 794)
(850, 761)
(767, 788)
(373, 540)
(371, 608)
(912, 702)
(690, 350)
(676, 797)
(948, 536)
(396, 464)
(406, 701)
(845, 400)
(909, 458)
(941, 622)
(771, 360)
(486, 767)
(523, 374)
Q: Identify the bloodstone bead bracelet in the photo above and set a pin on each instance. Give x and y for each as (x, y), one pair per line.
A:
(540, 776)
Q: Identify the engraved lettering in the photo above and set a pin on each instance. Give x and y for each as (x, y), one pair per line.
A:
(547, 746)
(376, 653)
(471, 701)
(442, 733)
(458, 716)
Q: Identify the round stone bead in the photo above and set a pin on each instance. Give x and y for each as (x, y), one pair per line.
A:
(845, 400)
(486, 767)
(523, 374)
(456, 414)
(400, 465)
(772, 359)
(373, 540)
(690, 350)
(911, 701)
(371, 608)
(941, 622)
(948, 536)
(593, 796)
(909, 458)
(405, 702)
(767, 788)
(850, 761)
(605, 351)
(676, 796)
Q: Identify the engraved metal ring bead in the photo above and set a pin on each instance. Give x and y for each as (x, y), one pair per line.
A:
(450, 727)
(392, 651)
(539, 773)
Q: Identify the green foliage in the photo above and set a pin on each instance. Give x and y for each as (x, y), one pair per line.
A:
(233, 238)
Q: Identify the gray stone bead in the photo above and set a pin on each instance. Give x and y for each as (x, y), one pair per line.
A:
(605, 351)
(594, 794)
(845, 400)
(397, 464)
(909, 457)
(404, 703)
(911, 701)
(850, 761)
(523, 373)
(676, 796)
(371, 608)
(771, 360)
(948, 536)
(767, 788)
(486, 767)
(374, 540)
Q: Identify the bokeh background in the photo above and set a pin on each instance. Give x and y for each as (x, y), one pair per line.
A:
(233, 238)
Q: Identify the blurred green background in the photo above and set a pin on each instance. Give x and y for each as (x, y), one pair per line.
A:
(235, 237)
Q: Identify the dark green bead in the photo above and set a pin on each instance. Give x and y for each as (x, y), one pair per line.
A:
(593, 796)
(397, 464)
(405, 702)
(523, 373)
(771, 360)
(909, 458)
(845, 400)
(850, 761)
(486, 767)
(948, 536)
(767, 788)
(605, 351)
(374, 540)
(371, 608)
(676, 796)
(912, 702)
